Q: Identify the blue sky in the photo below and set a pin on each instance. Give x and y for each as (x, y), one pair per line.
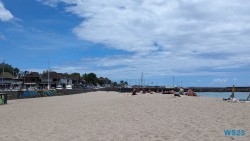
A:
(199, 42)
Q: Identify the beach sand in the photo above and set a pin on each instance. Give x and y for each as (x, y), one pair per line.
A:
(112, 116)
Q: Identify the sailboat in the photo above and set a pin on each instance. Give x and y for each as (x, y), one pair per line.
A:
(59, 87)
(232, 95)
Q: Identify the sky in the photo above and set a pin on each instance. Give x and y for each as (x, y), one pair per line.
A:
(203, 43)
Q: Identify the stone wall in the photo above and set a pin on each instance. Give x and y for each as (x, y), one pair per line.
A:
(195, 89)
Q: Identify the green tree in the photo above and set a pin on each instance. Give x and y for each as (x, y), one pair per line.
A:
(90, 78)
(75, 76)
(115, 84)
(123, 83)
(9, 68)
(103, 80)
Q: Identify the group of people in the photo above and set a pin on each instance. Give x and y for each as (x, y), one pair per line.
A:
(190, 92)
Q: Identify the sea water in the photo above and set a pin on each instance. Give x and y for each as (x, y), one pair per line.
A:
(239, 95)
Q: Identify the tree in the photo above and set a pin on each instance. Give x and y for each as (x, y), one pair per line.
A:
(75, 76)
(90, 78)
(123, 83)
(102, 81)
(9, 68)
(115, 84)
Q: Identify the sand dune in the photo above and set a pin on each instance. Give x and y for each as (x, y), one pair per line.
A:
(113, 116)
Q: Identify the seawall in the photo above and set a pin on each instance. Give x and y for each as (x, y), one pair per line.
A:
(45, 93)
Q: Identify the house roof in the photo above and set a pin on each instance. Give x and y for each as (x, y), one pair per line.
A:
(53, 75)
(6, 75)
(33, 74)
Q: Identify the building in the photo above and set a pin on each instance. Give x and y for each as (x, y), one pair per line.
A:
(8, 81)
(31, 80)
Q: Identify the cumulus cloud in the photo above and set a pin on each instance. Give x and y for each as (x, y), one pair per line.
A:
(52, 3)
(175, 36)
(5, 14)
(220, 81)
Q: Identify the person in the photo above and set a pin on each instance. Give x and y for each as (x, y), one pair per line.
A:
(191, 93)
(143, 91)
(181, 91)
(151, 92)
(134, 92)
(177, 95)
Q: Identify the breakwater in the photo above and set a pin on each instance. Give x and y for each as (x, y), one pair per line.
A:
(195, 89)
(219, 89)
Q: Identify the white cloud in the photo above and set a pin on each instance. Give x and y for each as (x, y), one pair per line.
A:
(5, 14)
(220, 81)
(174, 36)
(52, 3)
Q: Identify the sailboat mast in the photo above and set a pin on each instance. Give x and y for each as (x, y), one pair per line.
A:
(142, 79)
(3, 73)
(48, 75)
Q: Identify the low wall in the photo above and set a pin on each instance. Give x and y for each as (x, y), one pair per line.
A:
(33, 94)
(73, 91)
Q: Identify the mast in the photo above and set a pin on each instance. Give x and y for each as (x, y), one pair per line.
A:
(233, 90)
(173, 82)
(142, 79)
(3, 73)
(48, 75)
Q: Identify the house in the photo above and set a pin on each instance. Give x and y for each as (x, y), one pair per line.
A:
(8, 81)
(31, 80)
(50, 79)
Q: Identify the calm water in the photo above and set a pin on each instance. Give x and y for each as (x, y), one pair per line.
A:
(239, 95)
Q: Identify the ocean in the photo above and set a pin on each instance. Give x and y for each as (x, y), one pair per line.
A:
(239, 95)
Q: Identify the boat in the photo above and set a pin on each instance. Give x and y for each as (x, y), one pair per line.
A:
(68, 87)
(59, 87)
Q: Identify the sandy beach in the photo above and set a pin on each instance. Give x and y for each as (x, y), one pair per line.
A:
(112, 116)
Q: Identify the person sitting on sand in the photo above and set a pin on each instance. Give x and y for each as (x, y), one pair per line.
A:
(134, 92)
(166, 92)
(177, 95)
(181, 91)
(191, 93)
(172, 91)
(151, 92)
